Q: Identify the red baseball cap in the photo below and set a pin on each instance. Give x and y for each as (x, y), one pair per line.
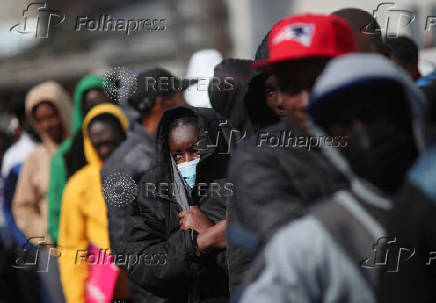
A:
(307, 36)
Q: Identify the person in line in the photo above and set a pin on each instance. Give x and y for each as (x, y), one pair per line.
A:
(366, 30)
(328, 255)
(178, 218)
(404, 52)
(234, 83)
(83, 227)
(70, 157)
(134, 156)
(13, 238)
(48, 109)
(12, 163)
(276, 182)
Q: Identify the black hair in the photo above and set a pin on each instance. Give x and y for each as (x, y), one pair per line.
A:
(183, 121)
(46, 102)
(107, 117)
(404, 49)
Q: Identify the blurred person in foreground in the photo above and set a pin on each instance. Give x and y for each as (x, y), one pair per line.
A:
(275, 182)
(405, 53)
(83, 230)
(134, 156)
(412, 222)
(178, 219)
(48, 109)
(328, 255)
(71, 157)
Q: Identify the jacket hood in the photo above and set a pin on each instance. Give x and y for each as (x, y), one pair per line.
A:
(53, 92)
(227, 98)
(114, 110)
(240, 95)
(85, 84)
(213, 146)
(349, 71)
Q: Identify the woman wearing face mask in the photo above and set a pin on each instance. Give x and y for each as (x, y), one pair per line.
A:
(178, 224)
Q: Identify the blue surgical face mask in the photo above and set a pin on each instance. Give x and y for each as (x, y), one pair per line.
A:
(188, 170)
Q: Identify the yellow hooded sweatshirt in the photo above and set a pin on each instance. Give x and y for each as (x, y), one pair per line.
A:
(83, 215)
(29, 205)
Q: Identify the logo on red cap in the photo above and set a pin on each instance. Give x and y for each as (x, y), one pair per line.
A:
(308, 36)
(299, 32)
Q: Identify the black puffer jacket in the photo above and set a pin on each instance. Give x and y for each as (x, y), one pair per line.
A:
(272, 185)
(153, 228)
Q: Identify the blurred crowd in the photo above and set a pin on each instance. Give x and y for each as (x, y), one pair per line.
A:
(311, 179)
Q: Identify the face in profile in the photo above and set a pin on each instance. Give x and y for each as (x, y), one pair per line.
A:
(48, 121)
(105, 137)
(184, 142)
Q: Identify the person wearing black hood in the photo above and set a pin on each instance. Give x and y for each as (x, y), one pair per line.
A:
(134, 156)
(180, 205)
(238, 93)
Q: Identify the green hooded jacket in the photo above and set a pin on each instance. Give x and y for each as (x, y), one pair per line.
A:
(58, 170)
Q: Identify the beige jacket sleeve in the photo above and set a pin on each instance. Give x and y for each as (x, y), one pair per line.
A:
(27, 205)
